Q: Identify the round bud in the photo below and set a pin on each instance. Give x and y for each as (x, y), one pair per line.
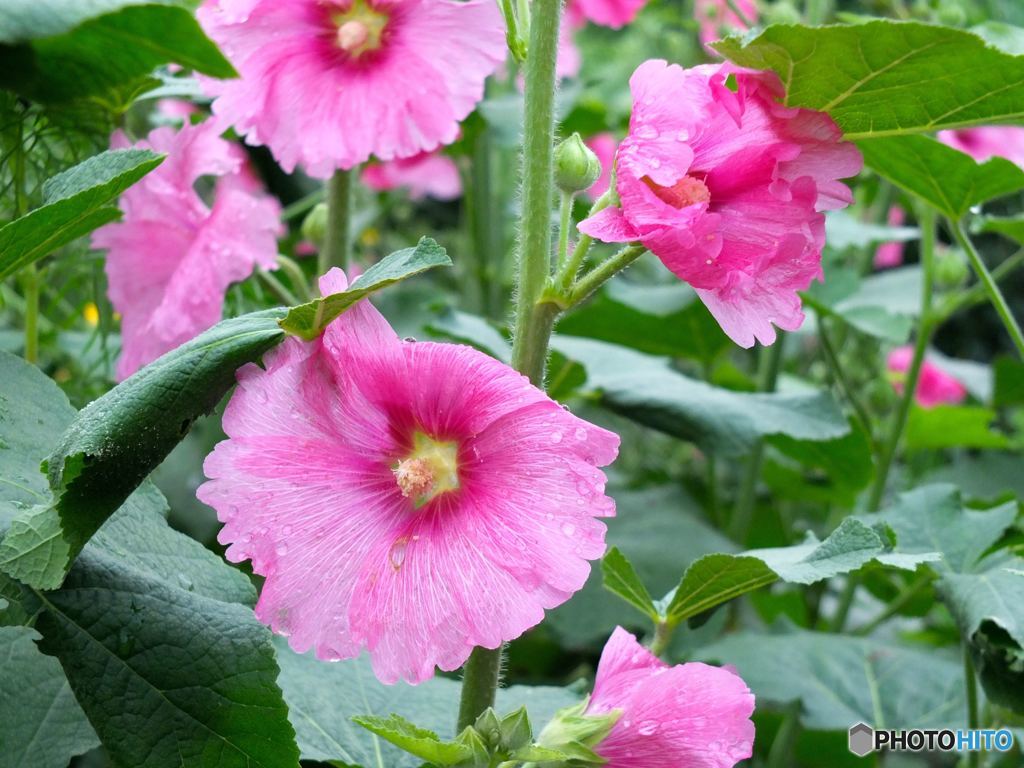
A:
(950, 268)
(783, 12)
(314, 226)
(576, 165)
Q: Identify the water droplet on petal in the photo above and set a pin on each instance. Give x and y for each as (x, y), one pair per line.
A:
(281, 549)
(397, 554)
(580, 433)
(648, 728)
(568, 529)
(556, 437)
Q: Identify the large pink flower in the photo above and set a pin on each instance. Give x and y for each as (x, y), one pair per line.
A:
(727, 187)
(606, 13)
(603, 145)
(171, 260)
(717, 19)
(689, 715)
(988, 141)
(429, 174)
(934, 386)
(411, 498)
(328, 83)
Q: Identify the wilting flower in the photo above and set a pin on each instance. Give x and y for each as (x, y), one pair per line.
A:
(689, 715)
(425, 175)
(891, 254)
(934, 385)
(603, 145)
(411, 498)
(727, 188)
(717, 18)
(171, 259)
(988, 141)
(328, 83)
(606, 13)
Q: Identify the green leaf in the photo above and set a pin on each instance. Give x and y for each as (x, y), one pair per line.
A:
(944, 177)
(1009, 382)
(23, 20)
(113, 444)
(154, 632)
(716, 578)
(75, 202)
(661, 530)
(858, 303)
(415, 740)
(1011, 227)
(473, 330)
(308, 321)
(660, 320)
(933, 519)
(621, 578)
(888, 78)
(41, 724)
(323, 698)
(646, 389)
(952, 426)
(840, 467)
(104, 53)
(841, 680)
(843, 230)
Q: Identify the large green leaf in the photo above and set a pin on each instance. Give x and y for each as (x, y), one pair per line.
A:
(888, 78)
(23, 20)
(103, 53)
(840, 680)
(324, 697)
(716, 578)
(933, 519)
(115, 442)
(41, 724)
(154, 632)
(867, 303)
(75, 202)
(648, 390)
(953, 426)
(170, 669)
(946, 178)
(660, 320)
(309, 320)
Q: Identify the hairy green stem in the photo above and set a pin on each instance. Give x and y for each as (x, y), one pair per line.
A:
(337, 250)
(976, 294)
(663, 632)
(735, 8)
(302, 205)
(593, 280)
(569, 267)
(899, 423)
(768, 366)
(564, 226)
(991, 287)
(300, 286)
(281, 293)
(529, 346)
(534, 319)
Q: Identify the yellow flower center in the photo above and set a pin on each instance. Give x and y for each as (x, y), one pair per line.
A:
(430, 470)
(360, 28)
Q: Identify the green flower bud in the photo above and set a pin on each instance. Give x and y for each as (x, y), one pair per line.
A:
(575, 734)
(950, 268)
(952, 14)
(314, 226)
(576, 165)
(783, 12)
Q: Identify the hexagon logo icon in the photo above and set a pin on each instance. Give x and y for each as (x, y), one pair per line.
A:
(862, 740)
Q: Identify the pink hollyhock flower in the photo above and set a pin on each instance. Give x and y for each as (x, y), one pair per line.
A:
(328, 83)
(603, 145)
(717, 19)
(988, 141)
(727, 188)
(426, 175)
(934, 386)
(171, 259)
(891, 254)
(606, 13)
(691, 715)
(176, 109)
(410, 498)
(569, 59)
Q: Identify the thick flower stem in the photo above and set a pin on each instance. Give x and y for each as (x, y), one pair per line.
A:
(480, 676)
(529, 347)
(991, 287)
(899, 423)
(337, 250)
(534, 318)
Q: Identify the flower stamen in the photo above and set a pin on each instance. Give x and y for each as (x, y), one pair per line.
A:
(360, 29)
(688, 191)
(430, 470)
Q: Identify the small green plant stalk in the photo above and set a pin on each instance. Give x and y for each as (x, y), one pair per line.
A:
(337, 247)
